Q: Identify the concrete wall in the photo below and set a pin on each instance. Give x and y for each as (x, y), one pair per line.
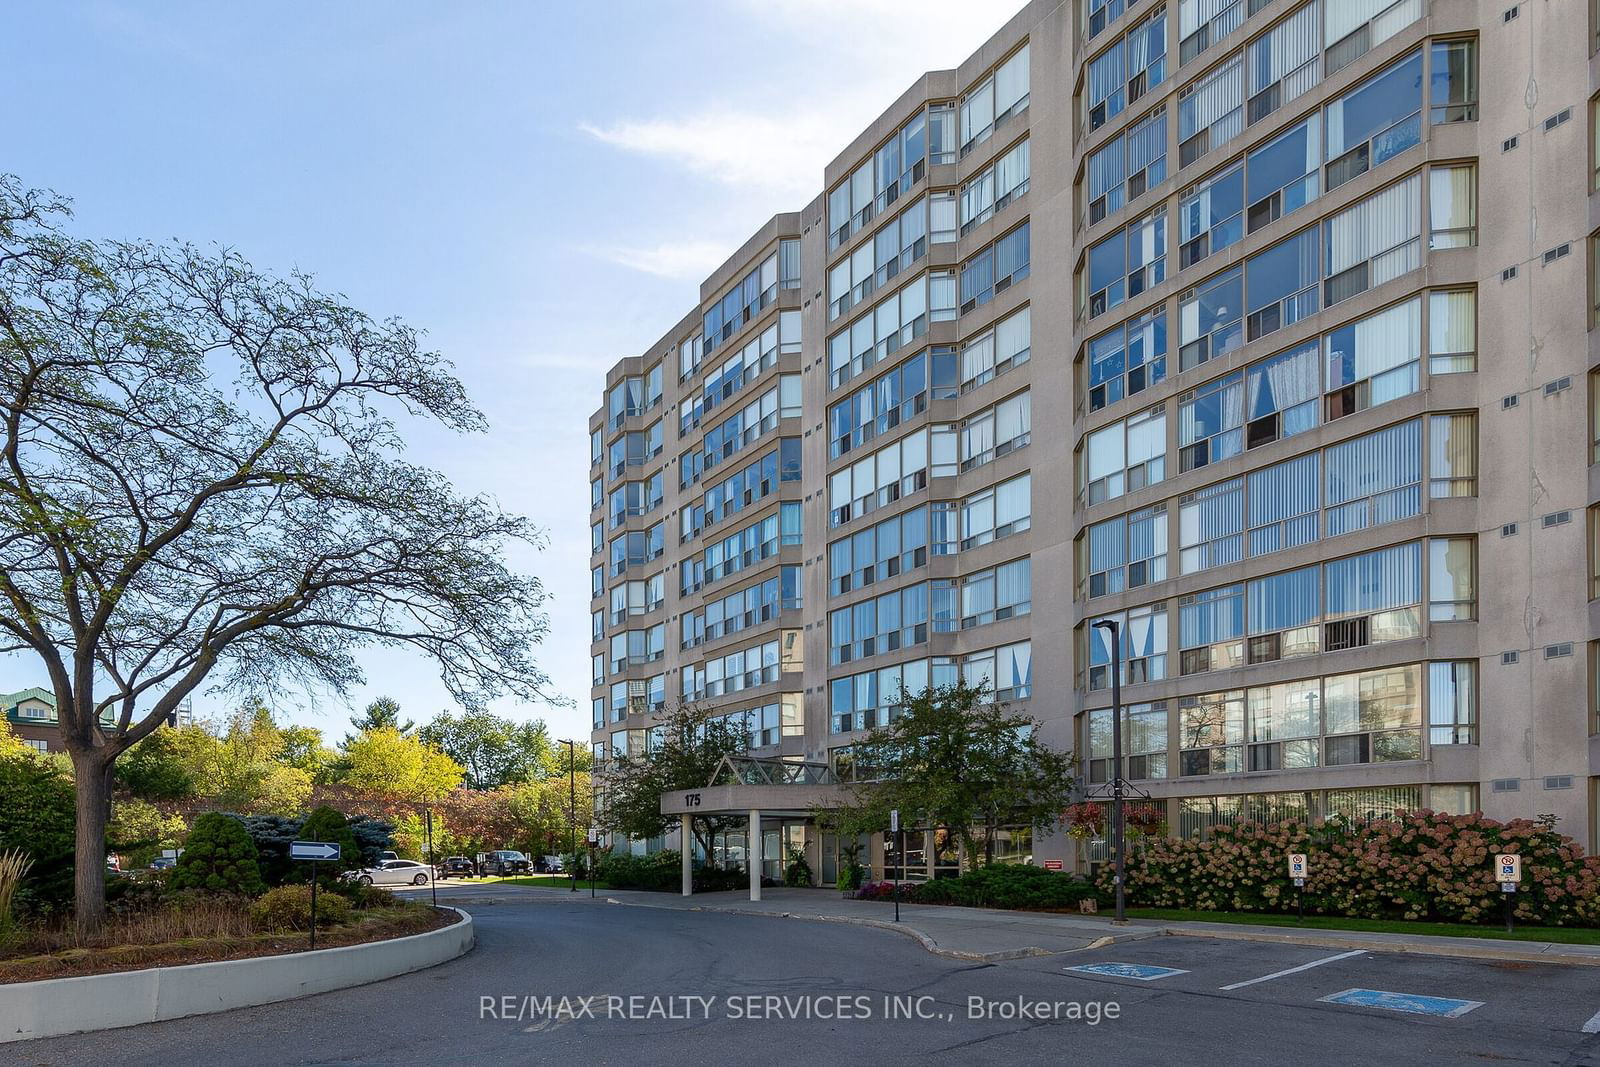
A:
(106, 1001)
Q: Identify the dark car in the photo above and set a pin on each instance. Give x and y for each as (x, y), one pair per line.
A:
(456, 867)
(502, 862)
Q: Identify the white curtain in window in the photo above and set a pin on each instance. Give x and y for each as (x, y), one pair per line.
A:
(1284, 491)
(1147, 437)
(1453, 446)
(1376, 224)
(977, 112)
(1452, 202)
(1391, 338)
(1013, 583)
(1012, 500)
(1013, 336)
(1147, 141)
(1290, 47)
(1107, 74)
(1452, 322)
(1012, 418)
(1216, 102)
(1011, 170)
(1106, 169)
(977, 436)
(1108, 547)
(1374, 463)
(1209, 523)
(978, 357)
(1011, 82)
(1375, 581)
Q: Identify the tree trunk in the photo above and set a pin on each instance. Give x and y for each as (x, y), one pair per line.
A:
(92, 773)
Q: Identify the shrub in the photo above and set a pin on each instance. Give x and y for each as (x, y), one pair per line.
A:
(288, 907)
(38, 818)
(1010, 886)
(658, 871)
(272, 835)
(851, 875)
(887, 891)
(797, 872)
(326, 824)
(1419, 865)
(13, 868)
(219, 857)
(363, 897)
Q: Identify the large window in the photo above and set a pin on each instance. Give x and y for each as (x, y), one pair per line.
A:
(879, 625)
(1373, 360)
(996, 513)
(742, 303)
(1123, 457)
(879, 552)
(991, 191)
(1452, 331)
(1211, 422)
(1210, 111)
(1375, 121)
(1007, 672)
(1453, 81)
(1123, 553)
(1285, 173)
(1353, 27)
(1453, 206)
(1202, 23)
(997, 431)
(1009, 344)
(895, 321)
(1212, 217)
(897, 396)
(1211, 319)
(1127, 166)
(997, 98)
(891, 473)
(1375, 240)
(1128, 359)
(746, 548)
(1144, 647)
(1285, 62)
(1281, 284)
(897, 245)
(888, 174)
(1127, 70)
(995, 269)
(724, 382)
(1124, 265)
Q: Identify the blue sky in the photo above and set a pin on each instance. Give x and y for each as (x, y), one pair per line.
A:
(541, 187)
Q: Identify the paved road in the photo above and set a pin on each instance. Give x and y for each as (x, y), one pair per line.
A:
(536, 946)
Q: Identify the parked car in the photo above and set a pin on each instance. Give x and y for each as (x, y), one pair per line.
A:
(502, 862)
(549, 865)
(163, 863)
(392, 872)
(456, 867)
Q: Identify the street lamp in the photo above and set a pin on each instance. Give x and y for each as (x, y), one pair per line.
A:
(1114, 631)
(572, 806)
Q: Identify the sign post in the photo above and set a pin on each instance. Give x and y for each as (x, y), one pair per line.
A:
(1297, 873)
(594, 842)
(1508, 871)
(900, 843)
(315, 851)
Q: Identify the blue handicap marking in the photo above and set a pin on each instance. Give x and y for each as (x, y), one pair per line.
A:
(1142, 972)
(1410, 1003)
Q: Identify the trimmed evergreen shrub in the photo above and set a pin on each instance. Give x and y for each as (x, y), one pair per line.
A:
(326, 824)
(288, 907)
(218, 857)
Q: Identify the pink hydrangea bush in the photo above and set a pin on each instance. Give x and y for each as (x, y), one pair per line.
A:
(1419, 865)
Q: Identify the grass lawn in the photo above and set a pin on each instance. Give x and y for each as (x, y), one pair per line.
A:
(541, 881)
(1566, 935)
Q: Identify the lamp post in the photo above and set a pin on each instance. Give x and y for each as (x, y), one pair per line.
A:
(1114, 631)
(572, 807)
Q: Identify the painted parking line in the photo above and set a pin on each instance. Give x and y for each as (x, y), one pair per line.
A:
(1593, 1025)
(1410, 1003)
(1142, 972)
(1296, 970)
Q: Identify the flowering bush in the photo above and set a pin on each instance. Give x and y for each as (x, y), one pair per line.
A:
(1419, 865)
(886, 891)
(1084, 820)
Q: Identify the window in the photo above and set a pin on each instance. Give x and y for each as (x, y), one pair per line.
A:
(1453, 454)
(1123, 457)
(996, 432)
(1098, 14)
(1374, 479)
(1127, 70)
(740, 369)
(1284, 615)
(1373, 717)
(1210, 111)
(1144, 647)
(1284, 174)
(894, 546)
(1373, 360)
(1285, 62)
(1211, 319)
(689, 353)
(1127, 166)
(996, 513)
(1285, 504)
(749, 486)
(996, 351)
(897, 396)
(994, 189)
(1144, 741)
(1375, 121)
(1124, 265)
(1374, 240)
(1281, 284)
(1123, 553)
(1453, 206)
(743, 302)
(1451, 581)
(596, 447)
(1373, 597)
(1202, 23)
(1452, 331)
(894, 322)
(995, 99)
(1127, 359)
(597, 582)
(1453, 81)
(1594, 552)
(1007, 671)
(1452, 703)
(1212, 217)
(880, 625)
(881, 180)
(1281, 395)
(1285, 724)
(995, 269)
(1211, 422)
(1353, 27)
(1211, 630)
(889, 474)
(997, 594)
(1211, 733)
(1211, 526)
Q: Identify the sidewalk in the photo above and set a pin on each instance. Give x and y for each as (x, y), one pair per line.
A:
(988, 935)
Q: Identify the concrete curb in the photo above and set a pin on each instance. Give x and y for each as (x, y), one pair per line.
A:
(923, 939)
(57, 1006)
(1464, 948)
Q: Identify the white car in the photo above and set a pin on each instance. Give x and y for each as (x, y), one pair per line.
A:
(393, 872)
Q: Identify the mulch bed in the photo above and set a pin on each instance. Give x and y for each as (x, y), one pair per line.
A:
(81, 961)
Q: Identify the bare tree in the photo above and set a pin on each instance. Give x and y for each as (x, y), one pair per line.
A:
(201, 484)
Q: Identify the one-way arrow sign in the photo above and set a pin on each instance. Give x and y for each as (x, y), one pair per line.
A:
(314, 850)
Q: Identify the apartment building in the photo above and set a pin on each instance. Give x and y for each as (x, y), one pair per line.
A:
(1260, 327)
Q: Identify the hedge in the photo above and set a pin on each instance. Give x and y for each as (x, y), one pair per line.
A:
(1003, 885)
(1421, 865)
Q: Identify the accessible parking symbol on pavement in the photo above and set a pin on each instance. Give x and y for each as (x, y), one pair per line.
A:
(1142, 972)
(1410, 1003)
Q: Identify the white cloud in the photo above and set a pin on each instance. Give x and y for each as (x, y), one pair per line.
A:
(779, 152)
(678, 260)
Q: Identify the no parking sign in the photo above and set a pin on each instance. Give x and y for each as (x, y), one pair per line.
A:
(1509, 871)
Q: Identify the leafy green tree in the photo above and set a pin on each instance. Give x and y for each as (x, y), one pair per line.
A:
(386, 761)
(138, 830)
(692, 745)
(219, 857)
(158, 767)
(382, 714)
(203, 484)
(304, 750)
(956, 761)
(36, 816)
(493, 751)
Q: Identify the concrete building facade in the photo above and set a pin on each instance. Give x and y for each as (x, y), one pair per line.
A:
(1261, 327)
